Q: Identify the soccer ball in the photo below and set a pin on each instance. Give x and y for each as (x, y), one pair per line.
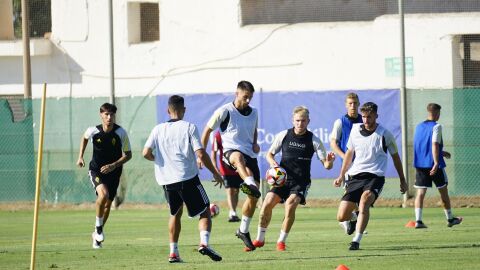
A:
(214, 210)
(276, 176)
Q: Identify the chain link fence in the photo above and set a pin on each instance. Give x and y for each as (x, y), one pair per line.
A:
(67, 119)
(357, 45)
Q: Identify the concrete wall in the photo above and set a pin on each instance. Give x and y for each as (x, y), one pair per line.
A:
(203, 48)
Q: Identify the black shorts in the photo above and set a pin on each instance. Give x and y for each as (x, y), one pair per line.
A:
(290, 188)
(250, 162)
(232, 181)
(191, 193)
(361, 182)
(424, 179)
(110, 180)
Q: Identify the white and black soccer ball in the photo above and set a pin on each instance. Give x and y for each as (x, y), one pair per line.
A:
(214, 210)
(276, 176)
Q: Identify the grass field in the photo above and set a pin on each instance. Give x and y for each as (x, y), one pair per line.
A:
(138, 239)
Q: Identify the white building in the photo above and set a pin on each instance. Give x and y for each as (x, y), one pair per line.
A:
(195, 46)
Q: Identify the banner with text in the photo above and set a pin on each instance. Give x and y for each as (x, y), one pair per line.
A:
(275, 115)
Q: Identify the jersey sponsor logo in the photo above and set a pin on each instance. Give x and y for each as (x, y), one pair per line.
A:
(297, 145)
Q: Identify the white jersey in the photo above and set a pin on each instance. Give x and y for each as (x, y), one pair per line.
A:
(174, 144)
(336, 132)
(437, 134)
(370, 151)
(240, 130)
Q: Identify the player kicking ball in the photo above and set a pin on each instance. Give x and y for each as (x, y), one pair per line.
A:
(297, 145)
(238, 122)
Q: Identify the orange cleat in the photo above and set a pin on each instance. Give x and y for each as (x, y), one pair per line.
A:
(258, 243)
(281, 246)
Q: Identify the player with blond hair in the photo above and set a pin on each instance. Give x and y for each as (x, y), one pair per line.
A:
(298, 145)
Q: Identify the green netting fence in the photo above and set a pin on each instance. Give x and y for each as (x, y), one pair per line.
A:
(67, 119)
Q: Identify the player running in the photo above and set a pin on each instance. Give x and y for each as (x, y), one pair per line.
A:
(111, 149)
(369, 142)
(297, 145)
(172, 146)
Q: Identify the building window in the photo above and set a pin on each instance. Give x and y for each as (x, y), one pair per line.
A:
(40, 19)
(143, 22)
(470, 53)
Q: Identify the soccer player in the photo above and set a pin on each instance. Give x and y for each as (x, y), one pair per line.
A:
(430, 165)
(111, 149)
(369, 142)
(231, 177)
(172, 146)
(338, 143)
(297, 145)
(237, 122)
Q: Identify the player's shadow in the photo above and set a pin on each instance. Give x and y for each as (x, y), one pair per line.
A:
(400, 248)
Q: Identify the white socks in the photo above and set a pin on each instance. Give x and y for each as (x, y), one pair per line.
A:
(344, 225)
(448, 213)
(249, 180)
(282, 237)
(232, 213)
(245, 224)
(261, 234)
(98, 221)
(358, 237)
(174, 248)
(418, 214)
(204, 238)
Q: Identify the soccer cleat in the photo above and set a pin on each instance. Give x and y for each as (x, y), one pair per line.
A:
(281, 246)
(258, 243)
(454, 221)
(174, 258)
(351, 226)
(99, 237)
(245, 237)
(250, 190)
(233, 219)
(204, 250)
(95, 243)
(354, 246)
(420, 225)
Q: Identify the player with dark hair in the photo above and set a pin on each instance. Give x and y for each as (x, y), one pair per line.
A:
(430, 165)
(338, 143)
(238, 122)
(111, 149)
(231, 177)
(172, 146)
(297, 145)
(369, 142)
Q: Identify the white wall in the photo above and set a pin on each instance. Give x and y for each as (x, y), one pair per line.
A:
(202, 48)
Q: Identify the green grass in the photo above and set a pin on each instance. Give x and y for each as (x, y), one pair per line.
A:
(138, 239)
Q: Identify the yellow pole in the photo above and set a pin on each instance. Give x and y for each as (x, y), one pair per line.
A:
(39, 175)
